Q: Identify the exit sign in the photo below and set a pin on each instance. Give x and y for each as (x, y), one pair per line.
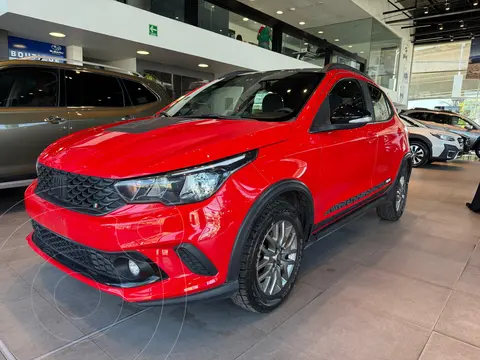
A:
(153, 30)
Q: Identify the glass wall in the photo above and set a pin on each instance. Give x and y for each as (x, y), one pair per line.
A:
(242, 28)
(369, 39)
(173, 9)
(438, 79)
(303, 50)
(176, 85)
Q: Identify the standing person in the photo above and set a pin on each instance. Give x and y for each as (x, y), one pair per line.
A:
(264, 37)
(239, 37)
(475, 204)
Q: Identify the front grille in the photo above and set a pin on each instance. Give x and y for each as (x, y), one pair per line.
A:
(92, 263)
(95, 264)
(85, 194)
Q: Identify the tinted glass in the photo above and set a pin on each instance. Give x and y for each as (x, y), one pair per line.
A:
(381, 106)
(457, 121)
(418, 115)
(138, 93)
(273, 96)
(88, 89)
(438, 118)
(346, 92)
(28, 87)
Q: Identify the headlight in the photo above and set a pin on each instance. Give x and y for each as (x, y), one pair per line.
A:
(183, 186)
(443, 137)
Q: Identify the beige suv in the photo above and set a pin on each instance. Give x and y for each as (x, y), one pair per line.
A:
(41, 102)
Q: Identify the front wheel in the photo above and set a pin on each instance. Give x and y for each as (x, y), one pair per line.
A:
(477, 151)
(271, 258)
(420, 153)
(393, 209)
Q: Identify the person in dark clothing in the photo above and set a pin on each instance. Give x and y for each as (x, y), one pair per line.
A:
(239, 37)
(475, 204)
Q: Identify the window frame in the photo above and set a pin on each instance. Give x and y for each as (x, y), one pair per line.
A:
(323, 114)
(65, 92)
(387, 100)
(125, 89)
(41, 68)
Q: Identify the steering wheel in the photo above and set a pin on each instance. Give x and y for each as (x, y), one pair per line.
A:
(284, 109)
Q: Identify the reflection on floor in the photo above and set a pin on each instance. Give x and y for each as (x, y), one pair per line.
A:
(373, 290)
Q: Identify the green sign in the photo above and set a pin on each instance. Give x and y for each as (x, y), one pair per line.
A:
(153, 30)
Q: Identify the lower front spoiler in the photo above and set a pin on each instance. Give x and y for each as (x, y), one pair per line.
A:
(449, 153)
(221, 292)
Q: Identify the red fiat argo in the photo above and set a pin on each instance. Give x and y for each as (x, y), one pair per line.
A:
(220, 195)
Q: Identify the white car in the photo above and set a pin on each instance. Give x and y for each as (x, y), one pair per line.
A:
(429, 145)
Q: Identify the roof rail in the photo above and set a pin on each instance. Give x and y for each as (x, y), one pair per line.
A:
(85, 64)
(336, 66)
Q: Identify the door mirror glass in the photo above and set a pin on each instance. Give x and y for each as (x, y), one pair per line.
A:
(350, 114)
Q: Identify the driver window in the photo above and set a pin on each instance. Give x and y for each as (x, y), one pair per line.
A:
(456, 121)
(346, 93)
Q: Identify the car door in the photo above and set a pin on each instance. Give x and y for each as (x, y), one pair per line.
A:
(30, 118)
(146, 100)
(95, 99)
(346, 157)
(389, 135)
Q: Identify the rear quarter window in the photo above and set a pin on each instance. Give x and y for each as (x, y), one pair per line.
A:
(139, 94)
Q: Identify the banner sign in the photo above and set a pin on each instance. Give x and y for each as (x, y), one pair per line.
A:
(473, 70)
(19, 48)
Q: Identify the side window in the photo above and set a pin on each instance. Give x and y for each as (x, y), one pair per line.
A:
(456, 121)
(29, 87)
(346, 99)
(381, 106)
(438, 118)
(418, 115)
(138, 93)
(89, 89)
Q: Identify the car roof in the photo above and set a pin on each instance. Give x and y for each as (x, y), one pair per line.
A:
(97, 68)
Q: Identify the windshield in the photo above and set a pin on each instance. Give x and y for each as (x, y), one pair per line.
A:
(277, 96)
(411, 122)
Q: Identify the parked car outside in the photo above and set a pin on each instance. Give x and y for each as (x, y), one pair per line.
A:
(40, 102)
(221, 195)
(450, 121)
(428, 145)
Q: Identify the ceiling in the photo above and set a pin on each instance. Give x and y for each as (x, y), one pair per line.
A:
(313, 12)
(437, 21)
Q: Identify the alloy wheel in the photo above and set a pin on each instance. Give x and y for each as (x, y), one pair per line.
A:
(418, 154)
(277, 257)
(401, 194)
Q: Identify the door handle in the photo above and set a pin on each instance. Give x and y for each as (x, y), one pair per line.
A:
(55, 120)
(128, 117)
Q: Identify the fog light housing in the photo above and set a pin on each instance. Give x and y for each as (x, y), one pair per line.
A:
(134, 268)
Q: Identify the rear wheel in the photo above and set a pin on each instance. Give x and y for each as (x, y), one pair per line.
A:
(393, 209)
(420, 153)
(271, 258)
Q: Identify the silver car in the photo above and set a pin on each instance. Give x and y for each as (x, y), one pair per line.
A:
(449, 121)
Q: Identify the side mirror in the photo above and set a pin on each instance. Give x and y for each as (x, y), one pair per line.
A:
(468, 127)
(349, 114)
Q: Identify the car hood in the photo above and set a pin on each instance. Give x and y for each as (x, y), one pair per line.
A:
(156, 145)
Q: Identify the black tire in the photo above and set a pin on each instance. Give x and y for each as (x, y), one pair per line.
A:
(390, 210)
(420, 152)
(477, 151)
(250, 296)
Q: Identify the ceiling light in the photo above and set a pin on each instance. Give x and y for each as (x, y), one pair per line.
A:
(440, 26)
(279, 12)
(245, 19)
(293, 9)
(320, 32)
(447, 6)
(361, 52)
(301, 23)
(213, 6)
(462, 24)
(426, 10)
(305, 43)
(350, 46)
(203, 65)
(57, 34)
(337, 40)
(176, 17)
(143, 52)
(475, 3)
(451, 38)
(19, 46)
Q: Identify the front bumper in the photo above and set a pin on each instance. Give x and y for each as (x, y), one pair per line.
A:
(450, 152)
(156, 232)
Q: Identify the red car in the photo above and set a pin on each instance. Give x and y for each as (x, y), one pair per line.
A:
(220, 195)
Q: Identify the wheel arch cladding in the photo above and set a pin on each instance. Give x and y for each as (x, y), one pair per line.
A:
(292, 191)
(421, 138)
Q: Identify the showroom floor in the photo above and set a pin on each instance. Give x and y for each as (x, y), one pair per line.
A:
(373, 290)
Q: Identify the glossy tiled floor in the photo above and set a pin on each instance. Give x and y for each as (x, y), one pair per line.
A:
(374, 290)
